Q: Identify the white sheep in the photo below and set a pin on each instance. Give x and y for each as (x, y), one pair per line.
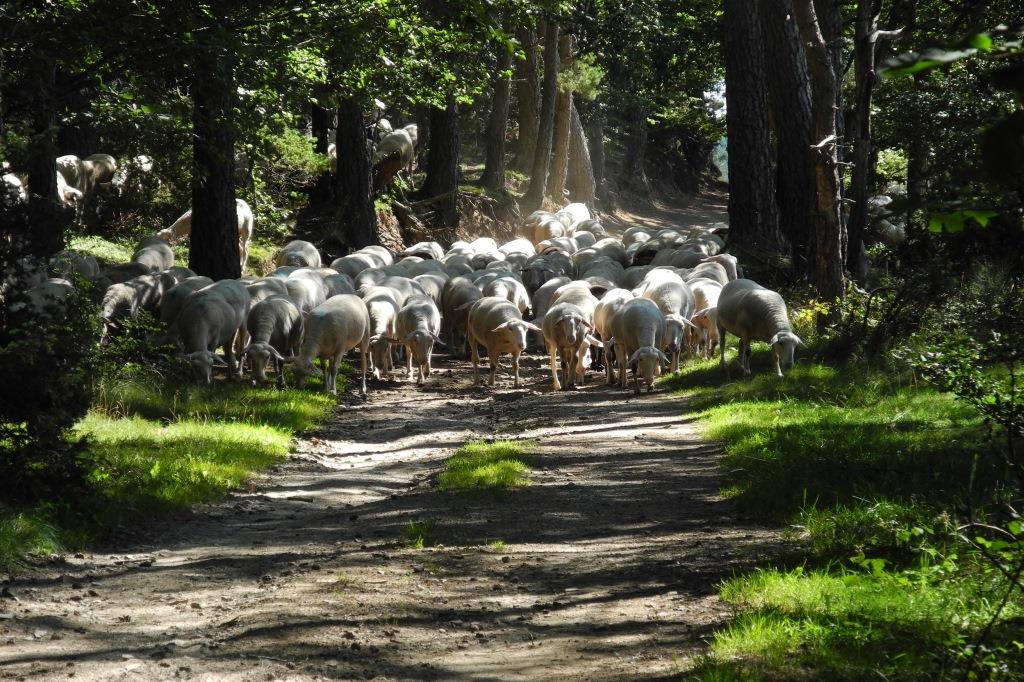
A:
(638, 328)
(606, 308)
(275, 330)
(299, 254)
(331, 330)
(416, 327)
(182, 227)
(566, 333)
(154, 253)
(497, 325)
(457, 293)
(676, 302)
(382, 308)
(213, 318)
(754, 313)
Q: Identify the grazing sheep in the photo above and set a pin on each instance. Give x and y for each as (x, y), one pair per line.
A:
(182, 227)
(714, 271)
(176, 298)
(154, 253)
(275, 330)
(212, 319)
(433, 283)
(457, 294)
(332, 329)
(123, 272)
(265, 287)
(676, 302)
(416, 328)
(299, 254)
(566, 336)
(497, 325)
(306, 292)
(382, 307)
(637, 332)
(754, 313)
(703, 336)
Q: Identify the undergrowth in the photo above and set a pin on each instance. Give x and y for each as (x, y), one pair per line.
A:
(487, 466)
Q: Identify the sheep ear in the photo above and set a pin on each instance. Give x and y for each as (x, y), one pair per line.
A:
(533, 327)
(594, 341)
(586, 324)
(776, 339)
(218, 360)
(634, 357)
(664, 358)
(503, 325)
(277, 356)
(799, 341)
(437, 339)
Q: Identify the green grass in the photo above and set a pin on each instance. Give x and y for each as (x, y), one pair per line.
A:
(103, 250)
(867, 469)
(486, 466)
(156, 450)
(419, 534)
(497, 546)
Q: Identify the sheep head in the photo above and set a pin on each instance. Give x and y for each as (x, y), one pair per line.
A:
(646, 365)
(202, 363)
(261, 353)
(783, 346)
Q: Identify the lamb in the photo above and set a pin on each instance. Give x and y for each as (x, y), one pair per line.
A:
(416, 328)
(497, 325)
(331, 330)
(275, 328)
(754, 313)
(637, 331)
(300, 254)
(676, 302)
(457, 294)
(182, 227)
(154, 253)
(213, 318)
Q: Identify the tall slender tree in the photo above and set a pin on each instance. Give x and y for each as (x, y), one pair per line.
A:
(527, 90)
(545, 131)
(497, 123)
(356, 218)
(442, 181)
(560, 137)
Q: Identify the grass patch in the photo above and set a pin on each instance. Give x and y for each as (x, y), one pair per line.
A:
(154, 450)
(497, 546)
(868, 468)
(419, 534)
(486, 466)
(103, 250)
(261, 258)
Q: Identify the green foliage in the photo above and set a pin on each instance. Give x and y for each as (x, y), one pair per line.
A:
(486, 466)
(892, 167)
(583, 77)
(102, 249)
(419, 534)
(23, 534)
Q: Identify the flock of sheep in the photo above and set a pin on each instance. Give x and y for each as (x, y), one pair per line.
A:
(633, 304)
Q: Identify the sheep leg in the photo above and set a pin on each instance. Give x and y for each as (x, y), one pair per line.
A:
(745, 356)
(492, 358)
(475, 351)
(552, 353)
(675, 361)
(515, 367)
(331, 378)
(408, 364)
(721, 342)
(279, 366)
(623, 360)
(363, 352)
(609, 360)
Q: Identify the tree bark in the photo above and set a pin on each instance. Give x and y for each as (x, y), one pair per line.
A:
(320, 125)
(46, 218)
(545, 132)
(830, 22)
(790, 94)
(864, 54)
(635, 173)
(213, 246)
(829, 259)
(581, 182)
(560, 137)
(493, 177)
(443, 165)
(527, 87)
(595, 138)
(753, 213)
(356, 223)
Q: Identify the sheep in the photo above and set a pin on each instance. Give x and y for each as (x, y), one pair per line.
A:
(353, 264)
(383, 256)
(182, 227)
(754, 313)
(300, 254)
(130, 176)
(727, 261)
(15, 189)
(549, 228)
(710, 270)
(703, 336)
(416, 328)
(306, 292)
(427, 267)
(265, 287)
(676, 302)
(572, 214)
(382, 307)
(123, 272)
(125, 300)
(332, 329)
(403, 288)
(457, 293)
(397, 150)
(584, 239)
(154, 253)
(566, 336)
(275, 330)
(431, 250)
(176, 298)
(100, 168)
(603, 314)
(497, 325)
(48, 297)
(509, 287)
(637, 333)
(67, 262)
(543, 296)
(213, 318)
(433, 284)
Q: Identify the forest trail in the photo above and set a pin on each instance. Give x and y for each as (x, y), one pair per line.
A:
(606, 567)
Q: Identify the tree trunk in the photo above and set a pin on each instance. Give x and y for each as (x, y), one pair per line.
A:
(45, 215)
(356, 223)
(595, 136)
(493, 177)
(753, 213)
(560, 138)
(443, 166)
(829, 259)
(790, 90)
(635, 173)
(545, 131)
(320, 125)
(581, 182)
(830, 23)
(527, 87)
(864, 54)
(213, 246)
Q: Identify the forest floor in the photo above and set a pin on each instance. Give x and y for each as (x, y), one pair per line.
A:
(604, 567)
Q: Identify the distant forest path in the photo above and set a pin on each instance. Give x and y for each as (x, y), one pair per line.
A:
(603, 568)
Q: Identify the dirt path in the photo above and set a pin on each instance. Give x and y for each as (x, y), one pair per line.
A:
(607, 571)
